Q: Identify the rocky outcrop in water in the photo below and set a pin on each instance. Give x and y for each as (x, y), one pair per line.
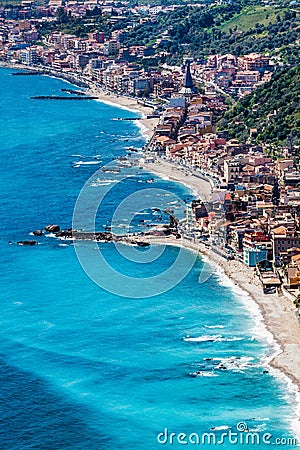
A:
(38, 233)
(52, 228)
(67, 234)
(84, 235)
(90, 236)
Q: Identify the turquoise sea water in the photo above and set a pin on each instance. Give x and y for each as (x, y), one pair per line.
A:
(84, 368)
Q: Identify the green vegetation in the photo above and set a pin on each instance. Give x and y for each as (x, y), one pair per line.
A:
(297, 302)
(252, 15)
(66, 24)
(80, 27)
(272, 109)
(238, 29)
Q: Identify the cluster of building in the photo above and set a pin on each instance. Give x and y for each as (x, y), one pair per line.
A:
(35, 9)
(236, 75)
(254, 211)
(105, 59)
(255, 208)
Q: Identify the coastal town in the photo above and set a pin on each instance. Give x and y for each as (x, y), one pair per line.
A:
(151, 242)
(253, 213)
(106, 58)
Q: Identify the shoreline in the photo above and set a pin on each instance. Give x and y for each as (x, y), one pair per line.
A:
(131, 104)
(271, 308)
(277, 311)
(145, 124)
(199, 186)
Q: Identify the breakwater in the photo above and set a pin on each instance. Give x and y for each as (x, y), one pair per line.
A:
(58, 97)
(27, 73)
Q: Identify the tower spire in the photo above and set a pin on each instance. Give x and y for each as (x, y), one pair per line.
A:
(188, 87)
(188, 81)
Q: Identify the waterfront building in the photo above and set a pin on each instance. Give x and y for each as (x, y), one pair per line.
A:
(252, 256)
(29, 56)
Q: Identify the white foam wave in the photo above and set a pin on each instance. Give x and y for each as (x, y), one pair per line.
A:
(214, 326)
(204, 338)
(144, 130)
(292, 396)
(102, 182)
(111, 170)
(259, 428)
(233, 363)
(260, 418)
(47, 325)
(72, 383)
(212, 338)
(220, 428)
(203, 373)
(259, 330)
(232, 339)
(87, 163)
(50, 235)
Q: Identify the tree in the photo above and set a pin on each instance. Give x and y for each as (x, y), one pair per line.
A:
(61, 15)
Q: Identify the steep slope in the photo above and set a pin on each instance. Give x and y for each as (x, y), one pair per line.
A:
(272, 109)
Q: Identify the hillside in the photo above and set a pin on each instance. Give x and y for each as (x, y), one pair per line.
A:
(238, 29)
(272, 109)
(252, 15)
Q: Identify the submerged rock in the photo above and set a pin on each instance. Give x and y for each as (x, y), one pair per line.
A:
(142, 244)
(28, 243)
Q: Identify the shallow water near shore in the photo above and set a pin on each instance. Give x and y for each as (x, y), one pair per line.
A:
(80, 367)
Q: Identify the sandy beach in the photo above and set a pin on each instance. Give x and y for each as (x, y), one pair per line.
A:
(278, 313)
(201, 188)
(129, 103)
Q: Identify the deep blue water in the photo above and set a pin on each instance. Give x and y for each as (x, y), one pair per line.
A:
(84, 368)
